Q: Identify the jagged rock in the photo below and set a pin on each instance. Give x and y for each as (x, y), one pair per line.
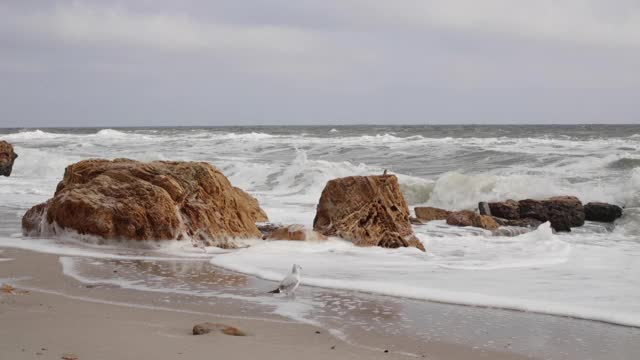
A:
(507, 210)
(294, 232)
(126, 199)
(7, 157)
(367, 210)
(470, 218)
(428, 213)
(603, 212)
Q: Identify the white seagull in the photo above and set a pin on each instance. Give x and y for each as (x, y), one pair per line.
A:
(290, 283)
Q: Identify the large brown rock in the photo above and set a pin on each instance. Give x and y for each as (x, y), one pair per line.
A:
(7, 157)
(507, 209)
(126, 199)
(603, 212)
(470, 218)
(428, 213)
(367, 210)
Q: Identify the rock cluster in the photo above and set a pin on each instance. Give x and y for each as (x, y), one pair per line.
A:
(126, 199)
(7, 157)
(367, 210)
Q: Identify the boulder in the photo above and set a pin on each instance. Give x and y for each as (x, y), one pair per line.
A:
(428, 213)
(294, 232)
(470, 218)
(126, 199)
(367, 210)
(603, 212)
(507, 209)
(7, 157)
(563, 212)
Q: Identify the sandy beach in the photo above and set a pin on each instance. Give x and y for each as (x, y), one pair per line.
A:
(50, 315)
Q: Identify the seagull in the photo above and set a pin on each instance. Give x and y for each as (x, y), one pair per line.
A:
(290, 283)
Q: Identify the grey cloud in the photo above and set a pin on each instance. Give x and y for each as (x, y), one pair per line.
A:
(283, 62)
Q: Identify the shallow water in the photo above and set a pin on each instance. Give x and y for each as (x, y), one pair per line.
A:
(590, 273)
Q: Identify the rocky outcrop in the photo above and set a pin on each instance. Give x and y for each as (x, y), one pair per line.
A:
(126, 199)
(563, 212)
(367, 210)
(470, 218)
(428, 213)
(603, 212)
(294, 232)
(7, 157)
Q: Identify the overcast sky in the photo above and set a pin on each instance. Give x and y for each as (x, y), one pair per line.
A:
(234, 62)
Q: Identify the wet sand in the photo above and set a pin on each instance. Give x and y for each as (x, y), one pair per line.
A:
(101, 320)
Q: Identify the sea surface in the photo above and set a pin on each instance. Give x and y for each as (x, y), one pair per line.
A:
(591, 273)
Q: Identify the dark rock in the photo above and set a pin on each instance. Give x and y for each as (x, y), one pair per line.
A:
(603, 212)
(484, 208)
(534, 209)
(7, 157)
(564, 212)
(507, 209)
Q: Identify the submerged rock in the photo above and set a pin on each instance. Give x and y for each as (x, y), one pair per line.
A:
(603, 212)
(126, 199)
(525, 223)
(7, 157)
(428, 213)
(470, 218)
(367, 210)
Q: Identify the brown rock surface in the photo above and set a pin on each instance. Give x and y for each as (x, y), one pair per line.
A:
(507, 209)
(428, 213)
(367, 210)
(470, 218)
(207, 327)
(7, 157)
(126, 199)
(294, 232)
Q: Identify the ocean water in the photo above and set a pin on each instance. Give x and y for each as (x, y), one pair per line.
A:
(591, 273)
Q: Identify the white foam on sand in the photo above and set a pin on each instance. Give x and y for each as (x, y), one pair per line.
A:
(530, 272)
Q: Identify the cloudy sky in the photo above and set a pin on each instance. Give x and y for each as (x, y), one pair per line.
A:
(232, 62)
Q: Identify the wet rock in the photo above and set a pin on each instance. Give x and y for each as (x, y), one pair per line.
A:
(126, 199)
(525, 223)
(534, 209)
(484, 209)
(470, 218)
(506, 209)
(428, 213)
(564, 212)
(294, 232)
(7, 157)
(207, 327)
(367, 210)
(603, 212)
(415, 221)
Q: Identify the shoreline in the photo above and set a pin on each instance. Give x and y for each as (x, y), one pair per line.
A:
(459, 332)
